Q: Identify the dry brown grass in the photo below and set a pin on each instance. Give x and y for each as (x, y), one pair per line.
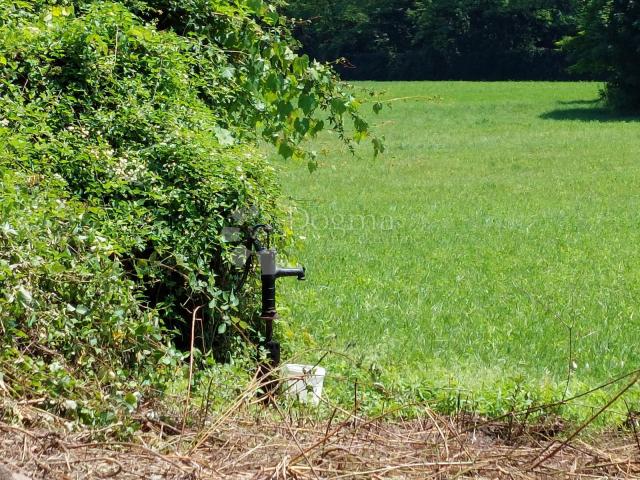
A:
(268, 443)
(251, 440)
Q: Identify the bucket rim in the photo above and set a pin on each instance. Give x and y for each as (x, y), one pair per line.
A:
(302, 369)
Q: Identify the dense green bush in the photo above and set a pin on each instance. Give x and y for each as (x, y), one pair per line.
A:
(608, 45)
(74, 328)
(146, 116)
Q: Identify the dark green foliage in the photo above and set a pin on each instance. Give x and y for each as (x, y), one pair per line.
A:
(439, 39)
(608, 45)
(146, 115)
(74, 328)
(368, 34)
(495, 39)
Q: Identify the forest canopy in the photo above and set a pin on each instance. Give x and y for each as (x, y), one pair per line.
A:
(439, 39)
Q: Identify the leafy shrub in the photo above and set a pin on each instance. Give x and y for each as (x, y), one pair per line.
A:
(145, 116)
(74, 328)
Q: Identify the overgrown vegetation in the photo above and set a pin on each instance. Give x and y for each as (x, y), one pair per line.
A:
(127, 143)
(74, 328)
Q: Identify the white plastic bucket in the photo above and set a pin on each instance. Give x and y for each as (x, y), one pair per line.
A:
(303, 382)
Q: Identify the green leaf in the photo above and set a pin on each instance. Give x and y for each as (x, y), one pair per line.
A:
(243, 325)
(300, 65)
(307, 103)
(131, 400)
(286, 149)
(378, 146)
(360, 125)
(256, 6)
(301, 126)
(25, 296)
(273, 83)
(285, 108)
(338, 106)
(224, 136)
(316, 127)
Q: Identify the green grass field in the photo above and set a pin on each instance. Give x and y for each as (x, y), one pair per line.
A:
(496, 243)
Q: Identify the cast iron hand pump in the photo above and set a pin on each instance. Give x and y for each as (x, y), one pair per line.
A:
(269, 273)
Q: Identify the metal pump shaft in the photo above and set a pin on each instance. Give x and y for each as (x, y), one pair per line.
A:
(269, 273)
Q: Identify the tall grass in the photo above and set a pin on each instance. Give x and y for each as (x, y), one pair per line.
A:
(496, 244)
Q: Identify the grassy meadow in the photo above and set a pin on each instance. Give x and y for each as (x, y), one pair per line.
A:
(491, 253)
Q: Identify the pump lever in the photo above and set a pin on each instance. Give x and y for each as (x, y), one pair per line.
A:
(291, 272)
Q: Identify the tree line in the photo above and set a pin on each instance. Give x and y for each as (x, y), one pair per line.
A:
(438, 39)
(608, 44)
(477, 40)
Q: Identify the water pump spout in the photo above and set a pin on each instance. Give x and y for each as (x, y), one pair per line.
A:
(298, 272)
